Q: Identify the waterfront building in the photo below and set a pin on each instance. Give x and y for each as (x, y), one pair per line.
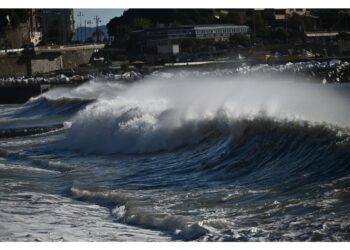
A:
(151, 38)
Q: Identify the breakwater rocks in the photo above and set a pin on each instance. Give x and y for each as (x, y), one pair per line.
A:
(125, 77)
(20, 89)
(331, 71)
(62, 79)
(334, 71)
(31, 81)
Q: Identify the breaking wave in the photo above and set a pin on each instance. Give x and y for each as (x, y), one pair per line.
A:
(165, 115)
(208, 156)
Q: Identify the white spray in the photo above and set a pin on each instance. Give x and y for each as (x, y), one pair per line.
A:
(165, 112)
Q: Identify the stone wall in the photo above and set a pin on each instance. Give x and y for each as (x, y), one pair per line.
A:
(74, 58)
(38, 63)
(40, 66)
(16, 38)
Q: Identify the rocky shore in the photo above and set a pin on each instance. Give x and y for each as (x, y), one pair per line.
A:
(20, 89)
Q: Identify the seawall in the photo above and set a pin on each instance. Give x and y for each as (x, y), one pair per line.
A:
(40, 60)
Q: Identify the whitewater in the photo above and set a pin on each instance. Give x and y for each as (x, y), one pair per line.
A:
(192, 154)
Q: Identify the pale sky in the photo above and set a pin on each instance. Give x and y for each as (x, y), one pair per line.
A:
(104, 14)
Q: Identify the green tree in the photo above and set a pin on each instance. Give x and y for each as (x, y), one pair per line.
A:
(235, 17)
(140, 24)
(239, 39)
(13, 17)
(279, 34)
(89, 40)
(259, 24)
(98, 35)
(124, 41)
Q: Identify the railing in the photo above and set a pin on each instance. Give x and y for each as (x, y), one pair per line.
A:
(56, 47)
(11, 51)
(69, 47)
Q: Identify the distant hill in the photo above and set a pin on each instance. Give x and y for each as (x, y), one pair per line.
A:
(81, 33)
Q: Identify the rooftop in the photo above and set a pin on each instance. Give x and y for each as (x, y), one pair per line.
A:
(194, 26)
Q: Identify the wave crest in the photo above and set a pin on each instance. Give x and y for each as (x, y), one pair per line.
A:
(156, 115)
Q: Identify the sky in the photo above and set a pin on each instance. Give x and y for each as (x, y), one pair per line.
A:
(104, 14)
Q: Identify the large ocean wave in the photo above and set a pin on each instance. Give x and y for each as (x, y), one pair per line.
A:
(196, 155)
(161, 115)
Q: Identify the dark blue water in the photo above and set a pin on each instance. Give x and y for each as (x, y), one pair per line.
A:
(186, 155)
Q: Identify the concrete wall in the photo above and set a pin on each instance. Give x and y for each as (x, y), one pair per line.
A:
(16, 37)
(40, 66)
(74, 58)
(12, 65)
(43, 62)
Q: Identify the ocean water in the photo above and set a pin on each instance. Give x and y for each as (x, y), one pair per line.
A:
(182, 155)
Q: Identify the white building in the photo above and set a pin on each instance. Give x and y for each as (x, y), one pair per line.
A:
(219, 32)
(151, 38)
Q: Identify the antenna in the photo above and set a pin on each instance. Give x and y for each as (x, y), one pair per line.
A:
(97, 20)
(86, 22)
(81, 14)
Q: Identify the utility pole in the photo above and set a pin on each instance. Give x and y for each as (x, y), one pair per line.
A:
(81, 14)
(97, 20)
(86, 22)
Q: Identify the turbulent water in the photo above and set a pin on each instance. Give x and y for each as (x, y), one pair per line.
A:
(181, 155)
